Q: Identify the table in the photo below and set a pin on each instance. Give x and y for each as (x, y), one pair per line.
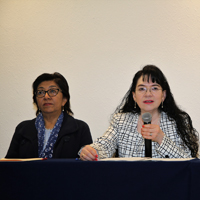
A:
(71, 179)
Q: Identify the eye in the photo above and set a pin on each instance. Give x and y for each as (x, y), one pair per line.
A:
(52, 91)
(40, 92)
(141, 89)
(155, 88)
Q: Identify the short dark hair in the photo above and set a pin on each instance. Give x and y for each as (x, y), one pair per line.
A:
(60, 81)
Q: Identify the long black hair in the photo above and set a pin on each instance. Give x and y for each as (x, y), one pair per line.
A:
(185, 130)
(60, 81)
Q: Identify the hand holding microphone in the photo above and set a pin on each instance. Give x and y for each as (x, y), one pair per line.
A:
(146, 117)
(150, 132)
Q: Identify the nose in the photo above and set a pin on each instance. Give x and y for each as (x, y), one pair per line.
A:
(46, 95)
(148, 92)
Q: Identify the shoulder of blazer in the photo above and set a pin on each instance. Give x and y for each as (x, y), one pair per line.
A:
(70, 125)
(27, 129)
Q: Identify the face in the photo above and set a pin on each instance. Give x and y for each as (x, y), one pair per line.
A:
(148, 95)
(47, 104)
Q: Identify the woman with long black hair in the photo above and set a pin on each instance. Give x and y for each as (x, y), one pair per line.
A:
(171, 129)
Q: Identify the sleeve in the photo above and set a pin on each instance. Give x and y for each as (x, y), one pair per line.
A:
(107, 144)
(170, 149)
(13, 151)
(86, 137)
(172, 145)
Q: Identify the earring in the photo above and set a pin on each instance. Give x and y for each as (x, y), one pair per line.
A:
(162, 105)
(135, 105)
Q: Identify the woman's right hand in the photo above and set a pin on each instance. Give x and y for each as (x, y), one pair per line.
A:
(88, 153)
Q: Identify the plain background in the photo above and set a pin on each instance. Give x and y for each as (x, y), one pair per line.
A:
(98, 45)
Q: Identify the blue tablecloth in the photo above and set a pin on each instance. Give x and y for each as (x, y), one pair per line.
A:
(70, 179)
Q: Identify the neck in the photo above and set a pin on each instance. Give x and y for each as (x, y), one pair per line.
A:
(50, 120)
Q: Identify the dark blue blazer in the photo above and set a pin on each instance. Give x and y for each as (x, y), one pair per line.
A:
(73, 135)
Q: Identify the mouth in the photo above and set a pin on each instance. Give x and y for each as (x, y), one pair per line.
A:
(148, 101)
(47, 104)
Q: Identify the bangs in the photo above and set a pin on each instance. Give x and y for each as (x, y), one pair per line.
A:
(151, 76)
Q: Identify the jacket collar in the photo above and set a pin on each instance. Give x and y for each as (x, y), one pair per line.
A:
(69, 125)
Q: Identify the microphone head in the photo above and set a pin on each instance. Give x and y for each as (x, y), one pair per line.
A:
(146, 117)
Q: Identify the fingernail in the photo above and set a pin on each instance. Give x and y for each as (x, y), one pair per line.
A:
(96, 156)
(96, 159)
(143, 126)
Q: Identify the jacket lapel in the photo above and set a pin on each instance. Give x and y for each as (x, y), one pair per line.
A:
(69, 125)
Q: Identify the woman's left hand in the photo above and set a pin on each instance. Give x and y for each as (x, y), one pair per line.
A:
(152, 132)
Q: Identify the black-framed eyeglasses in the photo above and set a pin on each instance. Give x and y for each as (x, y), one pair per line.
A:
(50, 92)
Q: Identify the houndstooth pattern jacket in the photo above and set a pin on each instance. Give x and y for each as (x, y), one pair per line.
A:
(123, 135)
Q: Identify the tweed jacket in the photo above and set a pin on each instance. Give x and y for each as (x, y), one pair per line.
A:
(122, 134)
(72, 136)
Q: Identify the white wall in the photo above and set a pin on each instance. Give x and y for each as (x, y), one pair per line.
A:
(98, 45)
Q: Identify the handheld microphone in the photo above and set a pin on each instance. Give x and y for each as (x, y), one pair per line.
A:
(146, 117)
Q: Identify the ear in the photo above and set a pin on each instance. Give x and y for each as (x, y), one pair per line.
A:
(163, 95)
(134, 96)
(64, 101)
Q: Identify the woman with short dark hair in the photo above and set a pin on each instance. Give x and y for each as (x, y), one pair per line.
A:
(54, 133)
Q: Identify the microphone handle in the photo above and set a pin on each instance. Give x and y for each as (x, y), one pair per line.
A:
(148, 146)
